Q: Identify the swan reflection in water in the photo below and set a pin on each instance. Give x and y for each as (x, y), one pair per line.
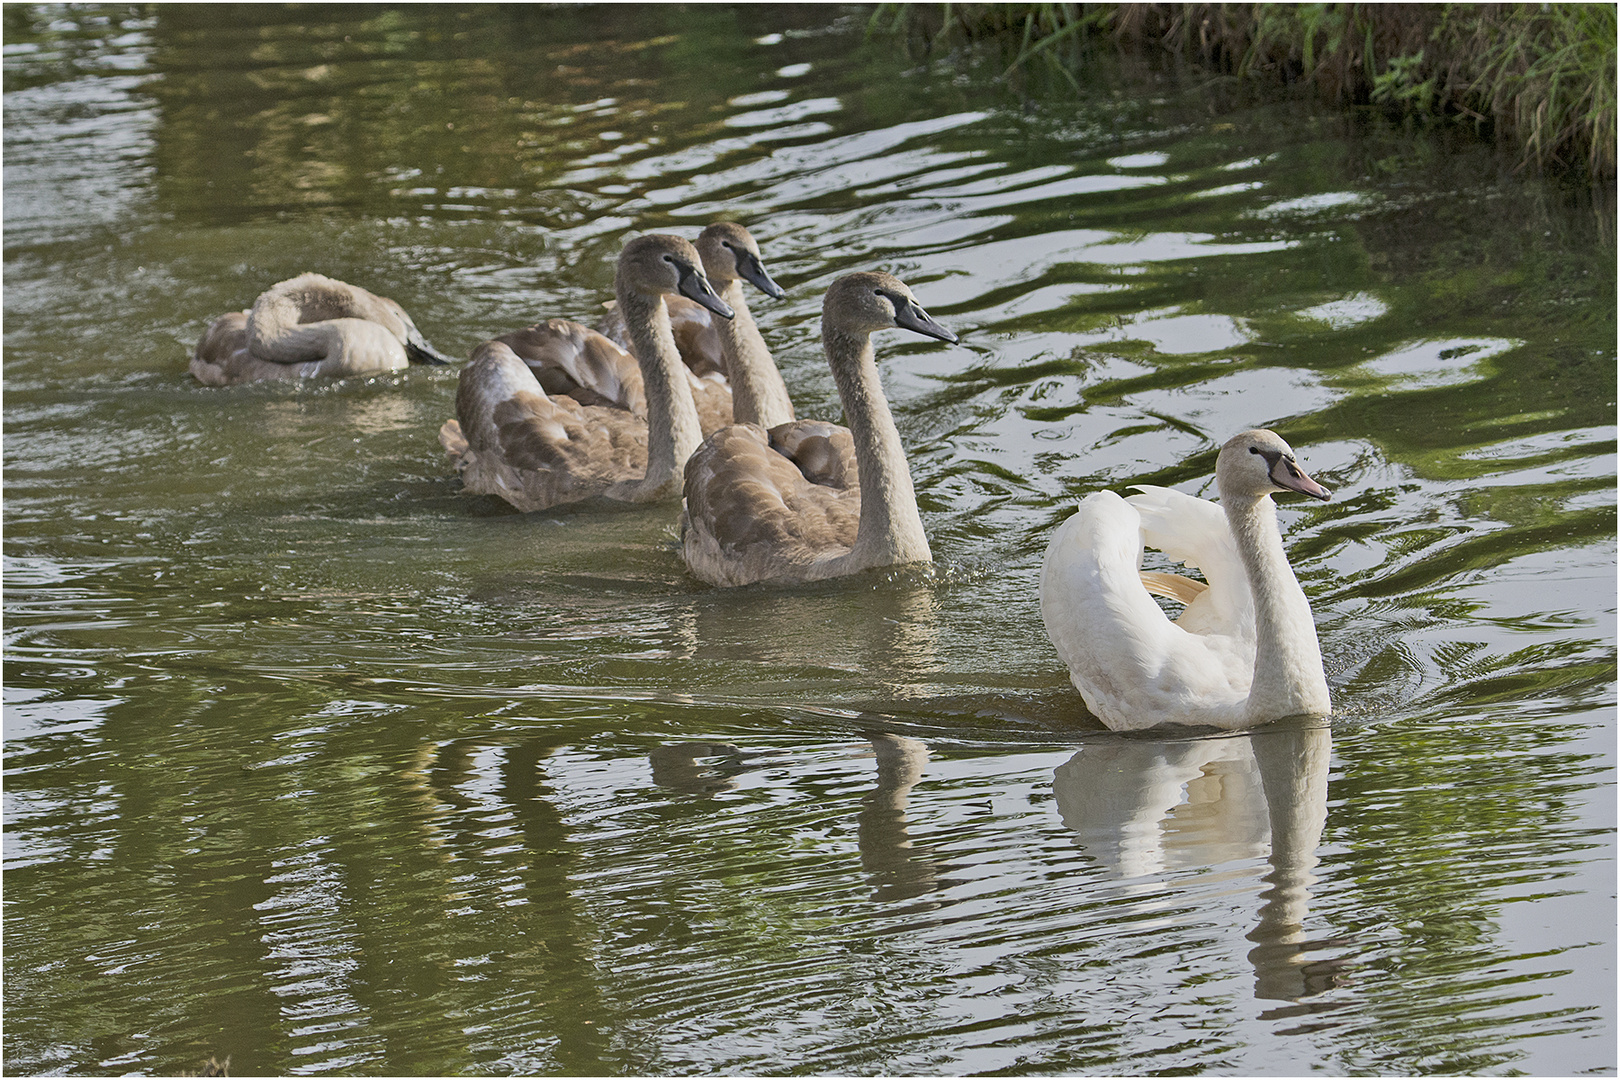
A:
(692, 768)
(896, 869)
(1146, 806)
(851, 648)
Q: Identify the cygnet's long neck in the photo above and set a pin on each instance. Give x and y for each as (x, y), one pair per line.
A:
(1288, 677)
(275, 333)
(673, 432)
(758, 394)
(891, 529)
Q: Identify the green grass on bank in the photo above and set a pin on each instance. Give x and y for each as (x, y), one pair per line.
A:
(1539, 75)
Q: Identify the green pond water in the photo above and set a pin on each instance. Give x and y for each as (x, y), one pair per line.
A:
(317, 762)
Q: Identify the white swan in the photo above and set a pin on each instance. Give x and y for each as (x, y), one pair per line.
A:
(1243, 652)
(755, 512)
(510, 438)
(310, 326)
(731, 364)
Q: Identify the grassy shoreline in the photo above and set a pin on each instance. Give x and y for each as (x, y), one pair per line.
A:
(1538, 76)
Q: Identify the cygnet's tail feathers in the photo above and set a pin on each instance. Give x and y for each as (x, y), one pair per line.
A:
(452, 439)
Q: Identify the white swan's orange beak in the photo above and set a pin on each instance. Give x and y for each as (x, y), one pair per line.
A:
(1286, 473)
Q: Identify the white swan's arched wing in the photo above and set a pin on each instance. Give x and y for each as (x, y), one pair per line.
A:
(1194, 531)
(1134, 667)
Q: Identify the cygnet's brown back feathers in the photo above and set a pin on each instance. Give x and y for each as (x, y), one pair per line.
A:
(575, 361)
(544, 433)
(512, 440)
(695, 335)
(749, 495)
(571, 360)
(824, 452)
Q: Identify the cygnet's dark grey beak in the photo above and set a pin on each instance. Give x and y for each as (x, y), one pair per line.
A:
(752, 270)
(418, 351)
(910, 315)
(694, 286)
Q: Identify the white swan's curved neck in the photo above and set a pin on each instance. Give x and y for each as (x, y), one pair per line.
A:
(891, 529)
(673, 432)
(1288, 677)
(758, 394)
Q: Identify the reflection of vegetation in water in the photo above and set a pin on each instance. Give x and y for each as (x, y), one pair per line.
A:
(1544, 73)
(519, 110)
(1416, 808)
(369, 773)
(1444, 301)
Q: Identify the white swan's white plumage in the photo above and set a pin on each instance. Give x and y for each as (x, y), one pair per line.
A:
(1194, 532)
(1242, 653)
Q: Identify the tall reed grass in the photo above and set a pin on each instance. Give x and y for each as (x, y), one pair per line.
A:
(1540, 75)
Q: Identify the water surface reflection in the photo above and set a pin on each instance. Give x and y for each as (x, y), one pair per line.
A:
(1144, 806)
(346, 771)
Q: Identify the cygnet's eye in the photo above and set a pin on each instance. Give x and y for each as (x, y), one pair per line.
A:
(1254, 449)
